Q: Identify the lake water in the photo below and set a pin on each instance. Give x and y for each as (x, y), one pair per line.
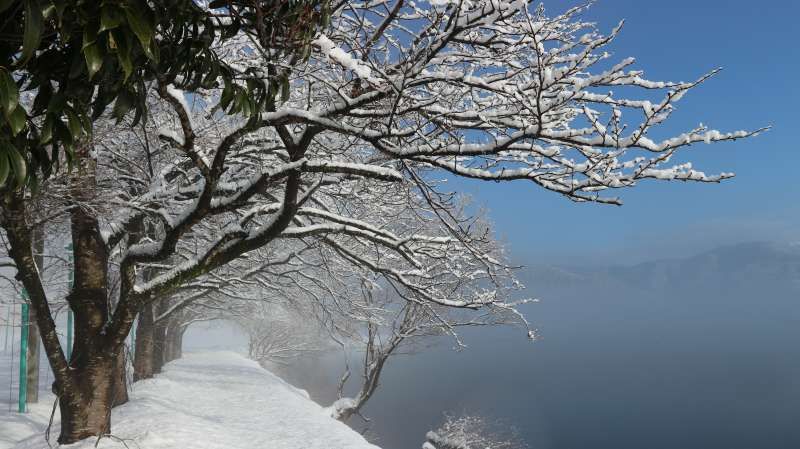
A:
(708, 363)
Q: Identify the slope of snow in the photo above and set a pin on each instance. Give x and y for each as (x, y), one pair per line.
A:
(217, 400)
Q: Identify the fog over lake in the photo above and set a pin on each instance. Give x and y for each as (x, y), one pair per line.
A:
(694, 353)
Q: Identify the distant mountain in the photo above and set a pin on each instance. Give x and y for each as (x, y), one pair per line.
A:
(748, 292)
(752, 263)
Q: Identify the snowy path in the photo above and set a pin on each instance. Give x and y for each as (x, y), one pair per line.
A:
(219, 400)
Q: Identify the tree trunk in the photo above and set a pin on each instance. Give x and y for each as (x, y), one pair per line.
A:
(90, 382)
(120, 380)
(179, 345)
(97, 362)
(32, 356)
(143, 361)
(151, 344)
(173, 340)
(86, 410)
(159, 345)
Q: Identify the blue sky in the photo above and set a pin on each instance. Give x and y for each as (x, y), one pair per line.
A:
(756, 43)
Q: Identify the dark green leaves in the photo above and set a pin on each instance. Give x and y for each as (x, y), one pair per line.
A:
(142, 23)
(12, 163)
(9, 93)
(17, 120)
(76, 59)
(15, 116)
(124, 53)
(34, 25)
(111, 17)
(18, 165)
(125, 102)
(4, 169)
(94, 58)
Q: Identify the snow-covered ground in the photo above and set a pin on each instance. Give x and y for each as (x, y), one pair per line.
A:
(206, 400)
(15, 426)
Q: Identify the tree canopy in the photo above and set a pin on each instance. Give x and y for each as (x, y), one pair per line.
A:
(63, 63)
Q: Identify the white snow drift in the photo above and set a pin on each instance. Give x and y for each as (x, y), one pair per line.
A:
(216, 400)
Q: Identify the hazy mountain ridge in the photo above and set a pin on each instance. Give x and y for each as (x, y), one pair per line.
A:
(748, 263)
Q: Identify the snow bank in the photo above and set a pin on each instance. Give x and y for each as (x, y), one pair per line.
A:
(16, 426)
(219, 400)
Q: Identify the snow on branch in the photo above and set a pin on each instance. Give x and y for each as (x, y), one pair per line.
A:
(471, 432)
(347, 157)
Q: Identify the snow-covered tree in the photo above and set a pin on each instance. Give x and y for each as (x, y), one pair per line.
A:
(279, 335)
(340, 150)
(399, 326)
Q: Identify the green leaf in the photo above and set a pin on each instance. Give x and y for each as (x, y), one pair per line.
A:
(123, 54)
(77, 65)
(4, 168)
(89, 35)
(57, 103)
(140, 19)
(246, 105)
(60, 8)
(9, 93)
(238, 99)
(61, 132)
(123, 105)
(47, 129)
(42, 98)
(34, 24)
(111, 17)
(74, 124)
(226, 97)
(18, 165)
(17, 119)
(49, 11)
(94, 59)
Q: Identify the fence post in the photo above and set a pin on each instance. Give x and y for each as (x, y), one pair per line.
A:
(23, 356)
(69, 309)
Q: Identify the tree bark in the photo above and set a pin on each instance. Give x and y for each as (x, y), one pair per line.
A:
(143, 362)
(97, 363)
(32, 356)
(86, 409)
(20, 249)
(179, 344)
(86, 383)
(173, 339)
(159, 345)
(120, 380)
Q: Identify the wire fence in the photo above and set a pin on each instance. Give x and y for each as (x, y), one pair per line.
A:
(11, 332)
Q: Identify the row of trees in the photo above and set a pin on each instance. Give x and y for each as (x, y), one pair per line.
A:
(203, 158)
